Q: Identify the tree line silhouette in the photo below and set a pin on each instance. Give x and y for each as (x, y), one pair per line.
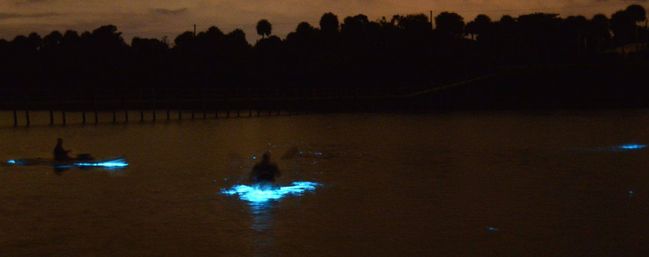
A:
(353, 53)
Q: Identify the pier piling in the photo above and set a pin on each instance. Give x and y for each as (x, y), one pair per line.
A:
(27, 119)
(15, 118)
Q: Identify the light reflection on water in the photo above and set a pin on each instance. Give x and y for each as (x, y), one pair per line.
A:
(261, 216)
(262, 225)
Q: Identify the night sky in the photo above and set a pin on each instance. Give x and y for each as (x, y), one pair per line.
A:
(158, 18)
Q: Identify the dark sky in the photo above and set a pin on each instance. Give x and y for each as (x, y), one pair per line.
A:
(157, 18)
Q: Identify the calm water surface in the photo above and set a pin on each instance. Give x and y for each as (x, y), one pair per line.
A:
(461, 184)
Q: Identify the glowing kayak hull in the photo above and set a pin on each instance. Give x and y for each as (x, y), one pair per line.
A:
(116, 162)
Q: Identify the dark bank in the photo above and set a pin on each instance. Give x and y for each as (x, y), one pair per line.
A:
(411, 62)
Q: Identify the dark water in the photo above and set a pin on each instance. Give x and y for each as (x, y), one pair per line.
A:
(462, 184)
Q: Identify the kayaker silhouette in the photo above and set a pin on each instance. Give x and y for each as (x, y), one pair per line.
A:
(264, 171)
(61, 154)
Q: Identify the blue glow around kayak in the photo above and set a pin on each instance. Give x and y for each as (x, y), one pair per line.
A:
(119, 163)
(265, 193)
(12, 162)
(631, 147)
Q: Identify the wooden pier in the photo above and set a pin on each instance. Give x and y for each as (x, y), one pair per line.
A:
(24, 117)
(165, 105)
(203, 104)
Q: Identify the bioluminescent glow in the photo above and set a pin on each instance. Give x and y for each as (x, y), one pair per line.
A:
(118, 163)
(492, 229)
(114, 163)
(265, 193)
(631, 147)
(620, 148)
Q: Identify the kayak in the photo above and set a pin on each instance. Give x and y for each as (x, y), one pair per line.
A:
(112, 163)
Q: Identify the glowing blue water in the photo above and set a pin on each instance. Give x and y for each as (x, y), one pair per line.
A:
(492, 229)
(107, 164)
(631, 147)
(110, 164)
(265, 193)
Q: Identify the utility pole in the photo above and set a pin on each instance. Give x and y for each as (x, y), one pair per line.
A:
(194, 30)
(431, 20)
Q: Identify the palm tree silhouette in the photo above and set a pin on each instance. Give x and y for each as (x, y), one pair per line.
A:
(264, 28)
